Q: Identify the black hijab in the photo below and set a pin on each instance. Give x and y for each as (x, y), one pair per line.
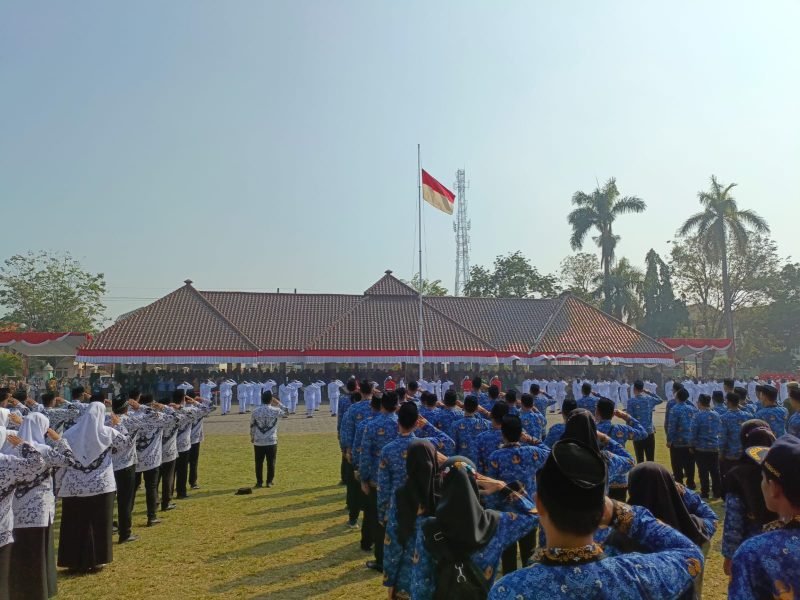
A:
(466, 525)
(419, 490)
(744, 479)
(652, 486)
(581, 427)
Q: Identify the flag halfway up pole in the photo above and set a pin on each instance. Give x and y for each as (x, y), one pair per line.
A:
(436, 194)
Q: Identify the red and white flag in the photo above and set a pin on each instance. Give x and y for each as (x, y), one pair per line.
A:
(436, 194)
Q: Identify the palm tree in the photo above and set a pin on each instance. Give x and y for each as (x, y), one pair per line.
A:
(599, 210)
(621, 290)
(718, 222)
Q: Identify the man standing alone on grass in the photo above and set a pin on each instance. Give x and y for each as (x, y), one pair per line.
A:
(264, 436)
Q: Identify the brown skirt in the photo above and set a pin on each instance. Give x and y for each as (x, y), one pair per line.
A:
(85, 540)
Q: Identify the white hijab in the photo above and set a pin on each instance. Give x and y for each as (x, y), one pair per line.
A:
(90, 437)
(33, 428)
(4, 412)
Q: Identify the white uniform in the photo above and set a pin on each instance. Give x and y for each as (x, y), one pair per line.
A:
(624, 394)
(226, 395)
(333, 396)
(294, 386)
(285, 394)
(613, 391)
(243, 396)
(751, 388)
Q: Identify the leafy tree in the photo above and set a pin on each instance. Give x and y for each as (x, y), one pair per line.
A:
(10, 364)
(513, 276)
(429, 287)
(620, 291)
(663, 313)
(51, 292)
(719, 223)
(578, 273)
(599, 210)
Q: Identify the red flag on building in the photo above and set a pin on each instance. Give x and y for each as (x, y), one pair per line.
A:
(436, 194)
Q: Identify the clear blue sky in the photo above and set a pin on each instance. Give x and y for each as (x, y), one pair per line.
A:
(256, 145)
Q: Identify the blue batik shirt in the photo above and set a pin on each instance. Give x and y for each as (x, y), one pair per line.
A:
(355, 414)
(720, 409)
(429, 414)
(621, 433)
(542, 403)
(554, 434)
(706, 431)
(680, 425)
(776, 417)
(587, 402)
(341, 408)
(767, 566)
(516, 463)
(358, 447)
(730, 443)
(448, 417)
(668, 570)
(378, 432)
(485, 401)
(511, 527)
(392, 465)
(641, 408)
(793, 425)
(487, 442)
(534, 423)
(467, 431)
(737, 527)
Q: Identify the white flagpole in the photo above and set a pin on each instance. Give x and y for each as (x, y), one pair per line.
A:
(419, 199)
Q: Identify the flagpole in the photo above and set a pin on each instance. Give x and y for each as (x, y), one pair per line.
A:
(419, 200)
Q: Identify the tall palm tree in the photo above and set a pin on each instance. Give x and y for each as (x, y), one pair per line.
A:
(621, 291)
(599, 210)
(718, 222)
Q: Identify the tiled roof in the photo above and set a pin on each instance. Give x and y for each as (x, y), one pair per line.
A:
(579, 328)
(182, 320)
(384, 319)
(510, 324)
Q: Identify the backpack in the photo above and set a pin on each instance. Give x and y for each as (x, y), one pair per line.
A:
(456, 575)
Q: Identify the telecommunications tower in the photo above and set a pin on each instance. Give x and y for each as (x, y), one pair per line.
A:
(461, 228)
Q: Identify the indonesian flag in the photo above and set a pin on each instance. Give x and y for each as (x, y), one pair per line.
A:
(436, 194)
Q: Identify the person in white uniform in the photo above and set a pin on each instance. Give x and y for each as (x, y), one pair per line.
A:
(334, 391)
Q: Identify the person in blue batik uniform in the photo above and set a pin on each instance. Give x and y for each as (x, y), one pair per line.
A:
(730, 444)
(679, 433)
(428, 410)
(588, 401)
(746, 512)
(411, 501)
(671, 402)
(378, 432)
(533, 422)
(706, 430)
(392, 466)
(653, 487)
(719, 402)
(540, 399)
(793, 425)
(491, 440)
(770, 411)
(510, 399)
(631, 430)
(466, 527)
(469, 428)
(641, 407)
(556, 431)
(767, 566)
(449, 414)
(570, 497)
(516, 465)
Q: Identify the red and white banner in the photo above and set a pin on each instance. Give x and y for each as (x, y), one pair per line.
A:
(436, 194)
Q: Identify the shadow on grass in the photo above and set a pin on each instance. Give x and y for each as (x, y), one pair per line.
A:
(274, 575)
(273, 526)
(282, 544)
(321, 501)
(297, 491)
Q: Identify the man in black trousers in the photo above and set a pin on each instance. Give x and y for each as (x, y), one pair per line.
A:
(123, 459)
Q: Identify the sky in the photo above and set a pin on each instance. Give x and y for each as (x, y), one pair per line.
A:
(264, 145)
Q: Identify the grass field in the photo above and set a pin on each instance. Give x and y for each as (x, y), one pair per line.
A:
(286, 542)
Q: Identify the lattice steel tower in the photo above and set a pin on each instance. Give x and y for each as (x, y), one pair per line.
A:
(461, 228)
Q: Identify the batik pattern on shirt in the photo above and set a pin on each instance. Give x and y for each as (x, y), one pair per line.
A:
(92, 479)
(516, 464)
(534, 423)
(706, 431)
(776, 417)
(264, 425)
(447, 420)
(588, 403)
(467, 431)
(730, 442)
(511, 527)
(206, 407)
(34, 504)
(379, 431)
(486, 443)
(767, 565)
(22, 468)
(641, 408)
(586, 573)
(737, 527)
(355, 414)
(679, 431)
(554, 434)
(793, 424)
(148, 439)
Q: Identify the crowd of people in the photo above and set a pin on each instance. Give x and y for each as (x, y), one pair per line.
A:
(90, 458)
(456, 493)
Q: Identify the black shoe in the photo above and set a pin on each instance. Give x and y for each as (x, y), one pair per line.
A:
(194, 486)
(170, 506)
(258, 485)
(114, 529)
(181, 497)
(704, 496)
(366, 548)
(129, 539)
(152, 522)
(371, 564)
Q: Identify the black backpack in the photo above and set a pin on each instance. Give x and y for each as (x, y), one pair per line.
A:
(456, 574)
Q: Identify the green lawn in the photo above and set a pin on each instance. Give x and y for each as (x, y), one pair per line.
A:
(287, 542)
